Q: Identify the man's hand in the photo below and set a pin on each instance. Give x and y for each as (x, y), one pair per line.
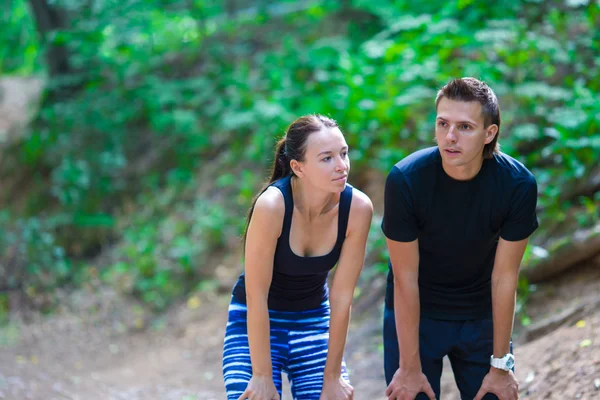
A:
(337, 389)
(501, 383)
(407, 384)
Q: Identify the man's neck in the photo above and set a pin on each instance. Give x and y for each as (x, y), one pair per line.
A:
(463, 172)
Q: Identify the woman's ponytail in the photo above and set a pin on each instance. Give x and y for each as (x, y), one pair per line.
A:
(281, 163)
(291, 147)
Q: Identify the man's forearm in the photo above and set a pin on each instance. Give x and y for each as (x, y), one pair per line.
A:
(503, 308)
(407, 315)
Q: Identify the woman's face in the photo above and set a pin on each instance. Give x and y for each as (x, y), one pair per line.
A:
(326, 164)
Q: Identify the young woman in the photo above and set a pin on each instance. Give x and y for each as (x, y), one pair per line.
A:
(282, 316)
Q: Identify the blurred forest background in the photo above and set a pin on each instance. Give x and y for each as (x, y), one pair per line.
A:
(134, 133)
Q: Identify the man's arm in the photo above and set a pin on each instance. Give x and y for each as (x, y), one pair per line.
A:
(505, 277)
(520, 223)
(405, 265)
(400, 226)
(409, 380)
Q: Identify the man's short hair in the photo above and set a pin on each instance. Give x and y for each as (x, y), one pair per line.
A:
(471, 89)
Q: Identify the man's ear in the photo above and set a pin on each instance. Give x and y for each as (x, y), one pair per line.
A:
(490, 133)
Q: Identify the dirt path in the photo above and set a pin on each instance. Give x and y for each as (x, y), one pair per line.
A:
(74, 357)
(99, 351)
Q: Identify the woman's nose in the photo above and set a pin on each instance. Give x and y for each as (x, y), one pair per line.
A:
(340, 164)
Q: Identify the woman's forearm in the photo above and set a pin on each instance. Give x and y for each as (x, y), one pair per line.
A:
(259, 337)
(338, 331)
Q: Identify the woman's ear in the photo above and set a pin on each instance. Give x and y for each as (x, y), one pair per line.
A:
(297, 168)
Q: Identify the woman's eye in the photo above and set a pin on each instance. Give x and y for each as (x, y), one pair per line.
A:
(327, 158)
(344, 154)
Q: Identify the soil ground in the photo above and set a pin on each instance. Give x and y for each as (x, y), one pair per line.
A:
(101, 346)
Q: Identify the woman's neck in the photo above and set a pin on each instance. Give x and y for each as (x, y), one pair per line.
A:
(310, 201)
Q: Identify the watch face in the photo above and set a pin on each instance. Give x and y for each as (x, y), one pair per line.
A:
(510, 362)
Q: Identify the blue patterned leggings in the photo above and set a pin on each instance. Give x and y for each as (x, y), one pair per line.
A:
(298, 347)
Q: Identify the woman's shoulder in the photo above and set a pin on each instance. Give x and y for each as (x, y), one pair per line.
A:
(270, 203)
(361, 204)
(268, 212)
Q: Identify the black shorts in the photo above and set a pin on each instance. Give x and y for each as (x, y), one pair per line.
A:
(468, 345)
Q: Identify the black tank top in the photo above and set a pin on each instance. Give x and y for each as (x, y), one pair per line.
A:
(299, 283)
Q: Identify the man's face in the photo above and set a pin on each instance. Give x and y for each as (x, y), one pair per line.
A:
(461, 135)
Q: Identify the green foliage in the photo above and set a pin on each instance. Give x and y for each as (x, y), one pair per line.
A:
(30, 259)
(18, 32)
(165, 245)
(524, 289)
(164, 87)
(378, 252)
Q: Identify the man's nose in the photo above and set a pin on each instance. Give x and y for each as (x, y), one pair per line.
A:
(451, 135)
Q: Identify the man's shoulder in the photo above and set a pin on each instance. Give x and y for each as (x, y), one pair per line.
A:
(512, 169)
(418, 162)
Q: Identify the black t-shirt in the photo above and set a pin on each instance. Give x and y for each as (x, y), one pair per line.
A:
(458, 224)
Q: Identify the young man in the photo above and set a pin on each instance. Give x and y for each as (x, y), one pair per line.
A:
(457, 220)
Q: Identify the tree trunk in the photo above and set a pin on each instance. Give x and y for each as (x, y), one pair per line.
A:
(586, 186)
(564, 253)
(50, 18)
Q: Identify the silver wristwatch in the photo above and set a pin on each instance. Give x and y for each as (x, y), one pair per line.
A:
(506, 363)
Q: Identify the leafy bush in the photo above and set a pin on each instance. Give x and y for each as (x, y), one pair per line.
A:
(30, 260)
(167, 87)
(165, 246)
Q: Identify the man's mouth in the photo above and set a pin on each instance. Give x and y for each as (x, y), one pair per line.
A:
(452, 151)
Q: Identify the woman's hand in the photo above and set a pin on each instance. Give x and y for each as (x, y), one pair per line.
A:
(337, 389)
(260, 388)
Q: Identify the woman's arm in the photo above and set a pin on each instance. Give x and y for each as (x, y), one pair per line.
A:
(261, 240)
(346, 276)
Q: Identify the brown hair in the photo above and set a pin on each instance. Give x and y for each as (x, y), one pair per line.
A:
(292, 146)
(471, 89)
